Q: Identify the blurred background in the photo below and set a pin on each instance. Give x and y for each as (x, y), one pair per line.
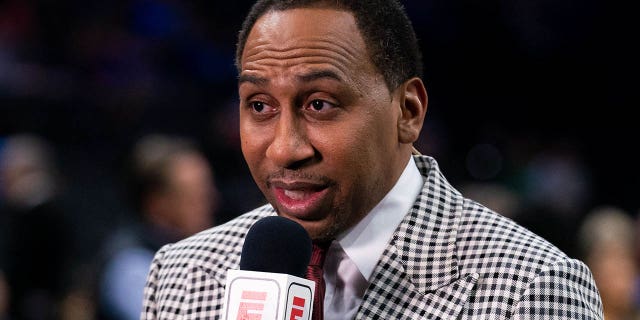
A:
(110, 111)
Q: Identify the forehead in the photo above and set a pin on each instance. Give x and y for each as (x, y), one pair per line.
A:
(302, 36)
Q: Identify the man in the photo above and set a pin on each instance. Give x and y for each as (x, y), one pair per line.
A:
(36, 242)
(607, 243)
(174, 196)
(330, 103)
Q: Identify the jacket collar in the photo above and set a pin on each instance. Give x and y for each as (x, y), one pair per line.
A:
(426, 239)
(420, 265)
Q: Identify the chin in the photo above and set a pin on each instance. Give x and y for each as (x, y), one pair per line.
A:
(317, 230)
(323, 230)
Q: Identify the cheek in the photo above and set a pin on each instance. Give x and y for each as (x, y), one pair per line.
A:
(369, 147)
(339, 145)
(368, 141)
(347, 156)
(252, 144)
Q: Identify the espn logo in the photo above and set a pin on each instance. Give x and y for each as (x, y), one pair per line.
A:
(252, 295)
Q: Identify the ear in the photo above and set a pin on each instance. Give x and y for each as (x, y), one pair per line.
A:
(413, 107)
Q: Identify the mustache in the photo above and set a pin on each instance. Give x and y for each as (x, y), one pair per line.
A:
(287, 174)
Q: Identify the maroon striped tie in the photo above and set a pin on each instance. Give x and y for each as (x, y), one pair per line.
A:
(314, 273)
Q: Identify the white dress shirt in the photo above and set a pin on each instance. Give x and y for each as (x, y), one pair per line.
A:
(353, 256)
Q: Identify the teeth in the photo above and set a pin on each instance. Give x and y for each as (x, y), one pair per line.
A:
(295, 194)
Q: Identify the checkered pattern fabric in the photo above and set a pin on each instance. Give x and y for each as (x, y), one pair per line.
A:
(450, 258)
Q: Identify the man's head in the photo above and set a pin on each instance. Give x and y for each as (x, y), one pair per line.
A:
(172, 183)
(383, 24)
(325, 130)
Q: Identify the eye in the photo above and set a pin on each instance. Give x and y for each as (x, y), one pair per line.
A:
(258, 106)
(320, 105)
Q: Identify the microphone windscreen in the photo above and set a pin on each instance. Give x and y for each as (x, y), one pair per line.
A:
(278, 245)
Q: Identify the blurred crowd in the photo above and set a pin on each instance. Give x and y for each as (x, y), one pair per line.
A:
(171, 192)
(118, 134)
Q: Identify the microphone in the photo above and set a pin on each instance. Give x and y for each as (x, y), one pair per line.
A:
(270, 284)
(276, 244)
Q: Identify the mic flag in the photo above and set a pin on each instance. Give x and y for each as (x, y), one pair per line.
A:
(253, 295)
(271, 284)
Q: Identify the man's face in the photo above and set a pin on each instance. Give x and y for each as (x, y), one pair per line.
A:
(189, 200)
(318, 125)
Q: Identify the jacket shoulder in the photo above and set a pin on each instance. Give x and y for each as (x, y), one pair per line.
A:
(188, 277)
(217, 248)
(519, 271)
(483, 233)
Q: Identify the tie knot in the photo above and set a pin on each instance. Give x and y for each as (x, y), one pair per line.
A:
(318, 253)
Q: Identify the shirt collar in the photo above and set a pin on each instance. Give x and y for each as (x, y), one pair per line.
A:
(365, 242)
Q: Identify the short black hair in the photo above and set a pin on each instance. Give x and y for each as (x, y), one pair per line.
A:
(387, 31)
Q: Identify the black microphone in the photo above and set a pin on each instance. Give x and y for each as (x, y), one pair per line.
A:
(276, 244)
(270, 282)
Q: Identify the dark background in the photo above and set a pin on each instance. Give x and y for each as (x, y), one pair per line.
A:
(535, 96)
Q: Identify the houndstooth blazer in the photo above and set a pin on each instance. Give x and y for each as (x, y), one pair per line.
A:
(450, 258)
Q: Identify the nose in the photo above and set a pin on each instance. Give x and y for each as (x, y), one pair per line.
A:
(290, 147)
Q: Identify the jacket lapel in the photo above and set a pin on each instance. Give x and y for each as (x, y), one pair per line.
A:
(418, 275)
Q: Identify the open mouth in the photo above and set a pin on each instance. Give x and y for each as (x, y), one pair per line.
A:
(301, 200)
(298, 195)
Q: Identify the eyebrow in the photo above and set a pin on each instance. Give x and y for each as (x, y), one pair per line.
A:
(308, 77)
(252, 79)
(319, 74)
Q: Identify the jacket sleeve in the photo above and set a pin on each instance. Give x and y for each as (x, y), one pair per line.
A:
(564, 290)
(149, 302)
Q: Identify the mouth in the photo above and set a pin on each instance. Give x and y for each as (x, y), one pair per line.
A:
(301, 200)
